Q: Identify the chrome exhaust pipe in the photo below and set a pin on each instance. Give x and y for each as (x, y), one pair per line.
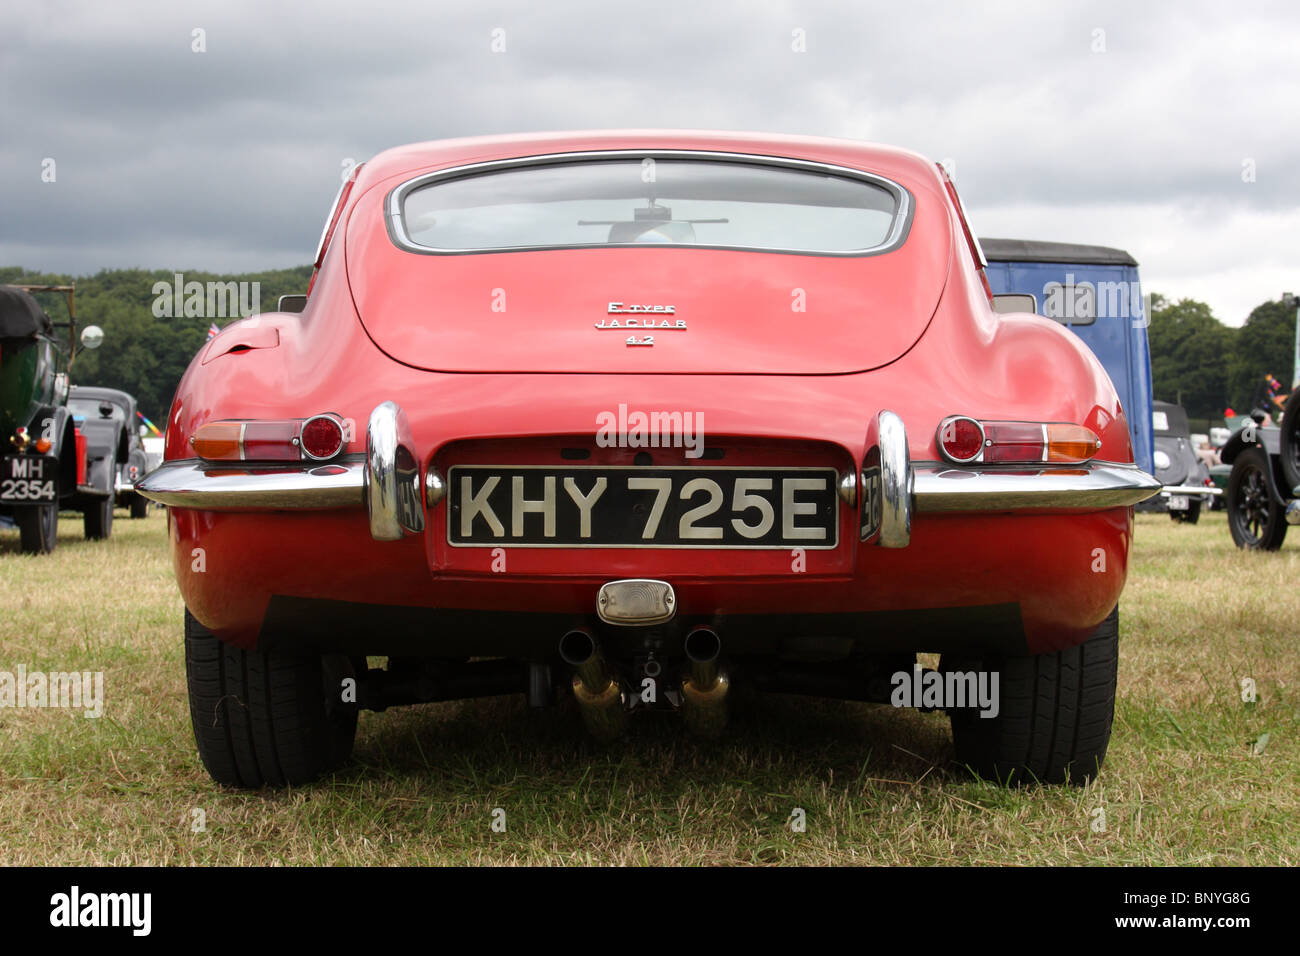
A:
(599, 696)
(705, 685)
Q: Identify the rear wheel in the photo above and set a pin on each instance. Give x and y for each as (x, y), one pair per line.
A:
(266, 719)
(1191, 515)
(1255, 520)
(1054, 713)
(139, 506)
(99, 519)
(38, 528)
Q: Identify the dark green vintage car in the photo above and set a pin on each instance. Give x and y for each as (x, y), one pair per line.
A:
(1263, 494)
(42, 464)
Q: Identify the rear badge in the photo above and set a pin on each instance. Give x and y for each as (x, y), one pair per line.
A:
(655, 320)
(647, 324)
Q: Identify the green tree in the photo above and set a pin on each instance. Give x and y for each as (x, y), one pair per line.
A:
(1265, 345)
(143, 353)
(1190, 352)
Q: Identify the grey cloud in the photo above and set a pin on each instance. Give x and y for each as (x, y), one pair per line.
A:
(228, 159)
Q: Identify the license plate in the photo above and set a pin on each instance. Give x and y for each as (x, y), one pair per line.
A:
(677, 507)
(25, 479)
(1178, 502)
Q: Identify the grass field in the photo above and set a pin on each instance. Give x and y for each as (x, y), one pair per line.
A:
(1194, 774)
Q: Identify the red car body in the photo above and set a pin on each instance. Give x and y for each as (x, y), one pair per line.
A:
(495, 358)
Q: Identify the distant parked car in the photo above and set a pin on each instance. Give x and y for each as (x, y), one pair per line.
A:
(108, 419)
(1263, 494)
(42, 452)
(1185, 477)
(1095, 292)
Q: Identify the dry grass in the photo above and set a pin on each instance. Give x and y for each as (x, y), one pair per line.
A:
(1182, 783)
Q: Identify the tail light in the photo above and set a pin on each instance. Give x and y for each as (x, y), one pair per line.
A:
(964, 441)
(318, 438)
(321, 437)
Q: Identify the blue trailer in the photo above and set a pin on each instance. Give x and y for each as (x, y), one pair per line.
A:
(1096, 293)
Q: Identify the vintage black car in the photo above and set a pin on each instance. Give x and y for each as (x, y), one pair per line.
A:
(1185, 477)
(1263, 494)
(42, 458)
(109, 421)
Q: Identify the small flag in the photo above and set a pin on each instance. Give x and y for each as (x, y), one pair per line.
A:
(213, 329)
(152, 427)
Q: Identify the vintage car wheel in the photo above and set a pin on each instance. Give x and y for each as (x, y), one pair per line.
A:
(1191, 515)
(1054, 717)
(99, 519)
(139, 507)
(1255, 520)
(265, 719)
(38, 528)
(1289, 447)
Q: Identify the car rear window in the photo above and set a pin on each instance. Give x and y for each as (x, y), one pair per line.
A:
(647, 201)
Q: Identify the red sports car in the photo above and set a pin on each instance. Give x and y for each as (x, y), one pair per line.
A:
(634, 416)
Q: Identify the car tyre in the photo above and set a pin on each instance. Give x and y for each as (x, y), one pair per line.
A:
(38, 528)
(99, 519)
(1191, 515)
(1255, 521)
(266, 718)
(1054, 714)
(139, 506)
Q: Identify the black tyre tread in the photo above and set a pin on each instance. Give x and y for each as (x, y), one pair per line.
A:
(260, 718)
(1055, 716)
(139, 507)
(99, 520)
(38, 528)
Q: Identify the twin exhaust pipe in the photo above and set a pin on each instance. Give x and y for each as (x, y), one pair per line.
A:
(599, 695)
(705, 686)
(596, 687)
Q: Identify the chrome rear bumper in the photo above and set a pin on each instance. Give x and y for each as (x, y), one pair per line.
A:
(386, 481)
(194, 483)
(942, 489)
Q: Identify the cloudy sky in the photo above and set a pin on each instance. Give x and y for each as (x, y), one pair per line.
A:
(1171, 130)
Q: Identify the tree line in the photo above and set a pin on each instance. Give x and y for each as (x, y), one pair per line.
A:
(1195, 359)
(145, 353)
(1207, 366)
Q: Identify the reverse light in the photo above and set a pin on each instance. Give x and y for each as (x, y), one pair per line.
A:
(964, 440)
(317, 438)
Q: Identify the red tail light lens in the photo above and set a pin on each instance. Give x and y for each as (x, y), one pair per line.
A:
(961, 439)
(964, 441)
(322, 437)
(317, 438)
